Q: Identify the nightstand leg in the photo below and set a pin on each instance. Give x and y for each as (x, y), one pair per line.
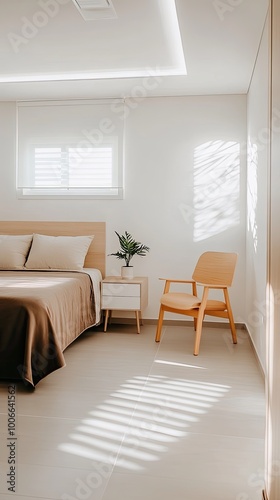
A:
(137, 321)
(106, 319)
(141, 320)
(110, 316)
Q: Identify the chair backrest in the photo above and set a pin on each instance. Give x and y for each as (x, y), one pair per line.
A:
(215, 268)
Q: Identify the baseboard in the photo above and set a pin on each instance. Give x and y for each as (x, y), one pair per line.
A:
(213, 324)
(174, 322)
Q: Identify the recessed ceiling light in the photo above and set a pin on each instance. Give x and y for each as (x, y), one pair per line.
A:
(93, 4)
(95, 9)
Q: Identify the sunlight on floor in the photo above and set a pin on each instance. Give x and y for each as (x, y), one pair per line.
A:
(173, 363)
(137, 422)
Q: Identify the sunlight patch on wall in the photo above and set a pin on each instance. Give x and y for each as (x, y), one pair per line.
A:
(216, 188)
(252, 192)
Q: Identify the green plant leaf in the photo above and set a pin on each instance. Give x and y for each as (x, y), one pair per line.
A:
(129, 247)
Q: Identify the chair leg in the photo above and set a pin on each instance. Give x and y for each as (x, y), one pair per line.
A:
(198, 335)
(230, 317)
(159, 324)
(199, 321)
(232, 327)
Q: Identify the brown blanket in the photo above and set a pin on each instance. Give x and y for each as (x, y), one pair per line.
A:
(41, 313)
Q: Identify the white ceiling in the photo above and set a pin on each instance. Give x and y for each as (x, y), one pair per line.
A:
(48, 50)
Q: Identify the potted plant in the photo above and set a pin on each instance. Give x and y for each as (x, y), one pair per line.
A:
(128, 248)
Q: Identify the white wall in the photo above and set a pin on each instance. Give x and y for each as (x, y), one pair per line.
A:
(185, 188)
(257, 186)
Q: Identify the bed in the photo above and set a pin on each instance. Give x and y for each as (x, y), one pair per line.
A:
(49, 293)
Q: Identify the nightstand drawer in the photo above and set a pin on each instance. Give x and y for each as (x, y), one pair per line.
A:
(121, 289)
(125, 303)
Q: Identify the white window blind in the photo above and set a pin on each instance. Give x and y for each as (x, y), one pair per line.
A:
(70, 149)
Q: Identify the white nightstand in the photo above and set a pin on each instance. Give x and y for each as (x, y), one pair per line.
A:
(124, 294)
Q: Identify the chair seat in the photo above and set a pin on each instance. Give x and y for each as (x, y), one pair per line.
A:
(215, 305)
(187, 301)
(178, 300)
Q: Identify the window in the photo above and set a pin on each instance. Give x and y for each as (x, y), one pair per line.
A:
(68, 169)
(70, 149)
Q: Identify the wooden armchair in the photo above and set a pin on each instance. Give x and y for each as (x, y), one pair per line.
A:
(214, 270)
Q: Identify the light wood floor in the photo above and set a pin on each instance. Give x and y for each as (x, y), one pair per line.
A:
(131, 419)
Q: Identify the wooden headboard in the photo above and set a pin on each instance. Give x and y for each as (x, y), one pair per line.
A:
(96, 256)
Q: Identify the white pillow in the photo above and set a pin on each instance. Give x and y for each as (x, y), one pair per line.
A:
(14, 250)
(58, 252)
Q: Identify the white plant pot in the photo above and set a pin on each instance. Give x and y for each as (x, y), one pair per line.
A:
(127, 272)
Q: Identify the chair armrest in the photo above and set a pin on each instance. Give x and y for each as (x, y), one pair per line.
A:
(169, 281)
(177, 281)
(220, 287)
